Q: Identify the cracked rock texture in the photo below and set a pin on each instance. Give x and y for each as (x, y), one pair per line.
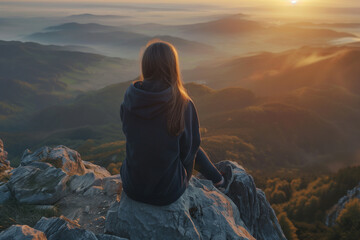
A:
(202, 212)
(58, 178)
(59, 228)
(88, 198)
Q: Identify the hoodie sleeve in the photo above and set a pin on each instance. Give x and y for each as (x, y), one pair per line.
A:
(190, 138)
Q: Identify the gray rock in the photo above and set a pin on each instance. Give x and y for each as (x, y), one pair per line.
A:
(5, 194)
(112, 185)
(33, 185)
(22, 232)
(82, 183)
(60, 157)
(255, 211)
(108, 237)
(46, 207)
(99, 171)
(337, 208)
(62, 228)
(49, 174)
(41, 165)
(202, 212)
(94, 190)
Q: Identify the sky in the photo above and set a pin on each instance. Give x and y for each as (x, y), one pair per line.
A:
(310, 9)
(337, 3)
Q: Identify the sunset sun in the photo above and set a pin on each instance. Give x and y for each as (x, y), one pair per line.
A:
(294, 1)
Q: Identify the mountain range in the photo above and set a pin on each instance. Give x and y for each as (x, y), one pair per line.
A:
(33, 76)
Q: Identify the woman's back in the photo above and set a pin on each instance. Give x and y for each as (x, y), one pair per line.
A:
(157, 164)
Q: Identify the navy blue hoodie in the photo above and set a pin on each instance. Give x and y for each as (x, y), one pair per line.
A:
(158, 166)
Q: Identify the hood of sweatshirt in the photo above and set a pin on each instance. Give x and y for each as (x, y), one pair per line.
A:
(147, 100)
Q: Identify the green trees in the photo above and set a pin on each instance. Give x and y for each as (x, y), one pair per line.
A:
(348, 222)
(287, 226)
(301, 202)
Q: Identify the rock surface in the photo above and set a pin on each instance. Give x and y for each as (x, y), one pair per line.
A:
(202, 212)
(84, 193)
(60, 157)
(23, 232)
(336, 209)
(58, 176)
(50, 174)
(255, 211)
(53, 229)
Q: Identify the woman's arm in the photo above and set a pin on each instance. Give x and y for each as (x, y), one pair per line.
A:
(190, 139)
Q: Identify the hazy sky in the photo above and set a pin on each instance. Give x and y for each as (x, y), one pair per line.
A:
(310, 9)
(337, 3)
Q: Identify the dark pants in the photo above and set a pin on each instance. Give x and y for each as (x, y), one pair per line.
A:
(206, 167)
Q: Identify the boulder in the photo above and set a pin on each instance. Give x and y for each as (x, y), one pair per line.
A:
(202, 212)
(112, 185)
(56, 228)
(60, 157)
(23, 232)
(63, 228)
(32, 185)
(337, 208)
(59, 176)
(80, 183)
(96, 169)
(5, 193)
(255, 211)
(86, 192)
(49, 174)
(94, 190)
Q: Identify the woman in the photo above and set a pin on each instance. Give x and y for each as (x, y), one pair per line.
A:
(161, 126)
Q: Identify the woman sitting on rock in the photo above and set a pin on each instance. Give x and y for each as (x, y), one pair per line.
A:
(161, 126)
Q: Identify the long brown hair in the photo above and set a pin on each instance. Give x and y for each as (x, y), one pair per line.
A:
(160, 62)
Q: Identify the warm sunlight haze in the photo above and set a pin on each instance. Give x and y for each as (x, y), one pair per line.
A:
(193, 119)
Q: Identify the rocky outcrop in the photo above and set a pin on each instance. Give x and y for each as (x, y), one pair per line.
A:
(337, 208)
(202, 212)
(255, 211)
(61, 157)
(80, 189)
(49, 174)
(23, 232)
(86, 193)
(53, 229)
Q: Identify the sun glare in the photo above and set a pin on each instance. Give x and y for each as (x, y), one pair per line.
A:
(294, 1)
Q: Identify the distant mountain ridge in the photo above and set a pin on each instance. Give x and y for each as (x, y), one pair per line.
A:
(74, 26)
(235, 123)
(97, 34)
(96, 16)
(300, 122)
(33, 76)
(275, 73)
